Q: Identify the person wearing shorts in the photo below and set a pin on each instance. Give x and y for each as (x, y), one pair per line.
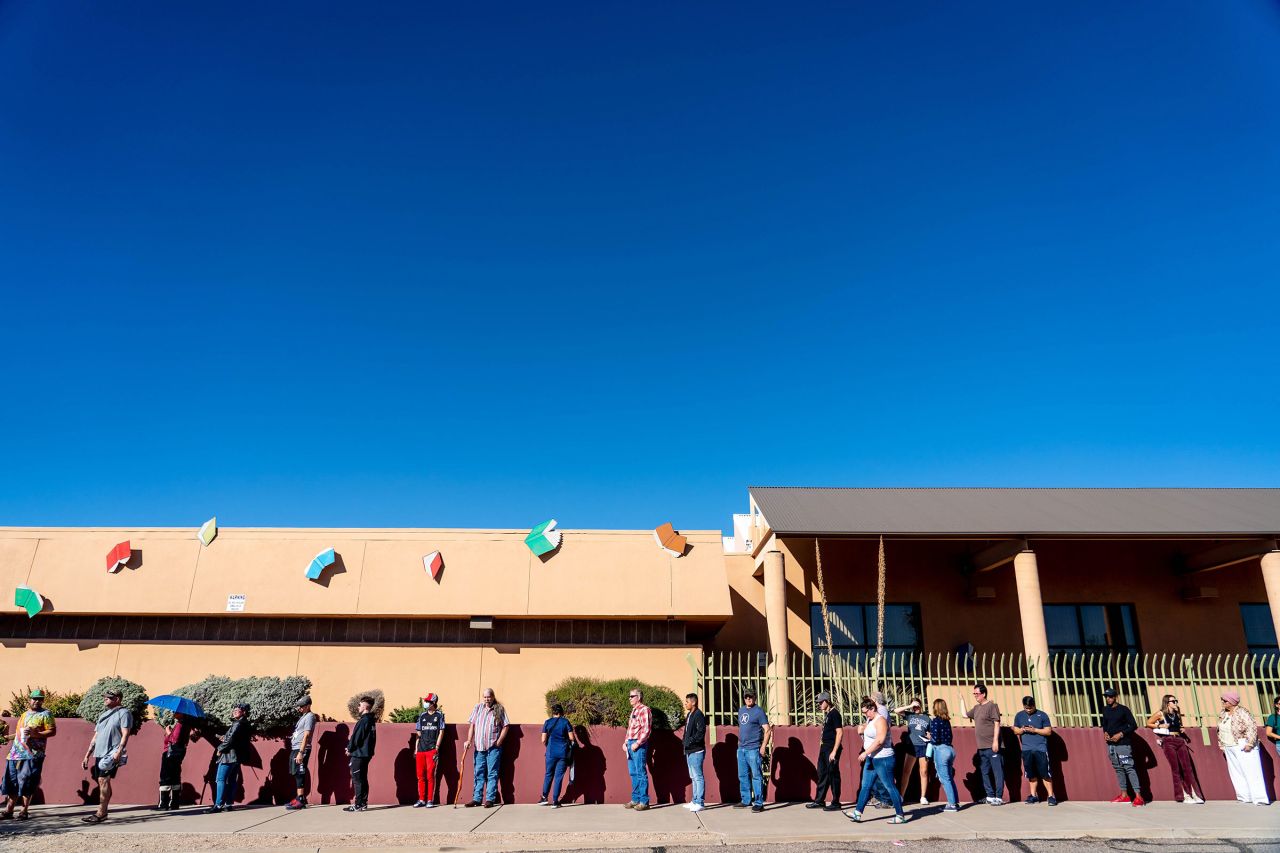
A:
(300, 752)
(1032, 728)
(106, 751)
(26, 755)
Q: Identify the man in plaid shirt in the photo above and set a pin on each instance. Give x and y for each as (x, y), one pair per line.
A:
(486, 728)
(639, 727)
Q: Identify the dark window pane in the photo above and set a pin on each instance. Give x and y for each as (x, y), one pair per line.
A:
(1259, 630)
(1093, 618)
(1061, 625)
(899, 625)
(1127, 632)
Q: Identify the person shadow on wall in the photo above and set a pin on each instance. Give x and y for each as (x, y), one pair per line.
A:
(1058, 756)
(507, 769)
(447, 775)
(793, 775)
(588, 771)
(1143, 760)
(278, 786)
(668, 769)
(724, 768)
(405, 772)
(333, 768)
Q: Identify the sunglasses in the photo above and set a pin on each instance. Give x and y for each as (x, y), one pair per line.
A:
(1173, 701)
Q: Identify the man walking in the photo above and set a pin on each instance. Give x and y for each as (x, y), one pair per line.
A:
(695, 751)
(26, 755)
(107, 750)
(486, 729)
(300, 751)
(754, 736)
(828, 756)
(639, 727)
(426, 734)
(1033, 729)
(361, 747)
(1117, 726)
(986, 728)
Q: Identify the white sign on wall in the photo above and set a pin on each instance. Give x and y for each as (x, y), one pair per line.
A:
(235, 603)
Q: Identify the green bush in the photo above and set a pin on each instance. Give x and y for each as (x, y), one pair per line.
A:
(379, 704)
(405, 714)
(593, 702)
(61, 705)
(133, 697)
(272, 701)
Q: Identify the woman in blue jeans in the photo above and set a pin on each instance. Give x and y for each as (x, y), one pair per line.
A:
(557, 735)
(876, 759)
(944, 754)
(231, 751)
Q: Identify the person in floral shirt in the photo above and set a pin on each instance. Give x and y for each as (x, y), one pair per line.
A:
(26, 756)
(1238, 739)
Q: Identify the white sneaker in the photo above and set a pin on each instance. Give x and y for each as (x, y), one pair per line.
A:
(429, 805)
(1197, 800)
(695, 807)
(924, 801)
(686, 805)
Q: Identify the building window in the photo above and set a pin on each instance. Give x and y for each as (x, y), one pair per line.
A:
(853, 630)
(1259, 630)
(1079, 629)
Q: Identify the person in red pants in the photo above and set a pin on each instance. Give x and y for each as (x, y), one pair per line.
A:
(426, 749)
(1170, 737)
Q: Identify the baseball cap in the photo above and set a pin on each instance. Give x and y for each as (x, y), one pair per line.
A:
(243, 706)
(431, 699)
(302, 700)
(750, 694)
(37, 693)
(113, 693)
(1110, 691)
(824, 696)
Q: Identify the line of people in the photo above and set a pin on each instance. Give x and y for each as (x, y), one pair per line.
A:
(930, 739)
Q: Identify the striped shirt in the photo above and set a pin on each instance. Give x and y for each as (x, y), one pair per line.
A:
(486, 724)
(640, 725)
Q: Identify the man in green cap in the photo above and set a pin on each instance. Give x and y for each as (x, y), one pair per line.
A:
(26, 755)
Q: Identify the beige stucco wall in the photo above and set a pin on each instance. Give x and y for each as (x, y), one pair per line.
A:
(487, 572)
(520, 676)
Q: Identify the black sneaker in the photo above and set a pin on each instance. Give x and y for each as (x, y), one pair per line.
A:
(420, 804)
(353, 808)
(834, 807)
(814, 805)
(1032, 800)
(742, 805)
(757, 808)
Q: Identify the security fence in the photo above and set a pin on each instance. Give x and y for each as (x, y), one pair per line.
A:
(1070, 684)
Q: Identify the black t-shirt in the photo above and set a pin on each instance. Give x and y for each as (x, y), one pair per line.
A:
(833, 724)
(430, 725)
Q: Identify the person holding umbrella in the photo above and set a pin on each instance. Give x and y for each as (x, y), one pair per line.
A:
(177, 735)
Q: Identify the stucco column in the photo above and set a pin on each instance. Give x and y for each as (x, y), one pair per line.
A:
(775, 614)
(1035, 639)
(1271, 580)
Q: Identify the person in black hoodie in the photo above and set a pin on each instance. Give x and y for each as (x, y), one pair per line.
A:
(1117, 725)
(695, 750)
(364, 738)
(231, 751)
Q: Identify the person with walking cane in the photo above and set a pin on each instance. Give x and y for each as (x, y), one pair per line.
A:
(487, 729)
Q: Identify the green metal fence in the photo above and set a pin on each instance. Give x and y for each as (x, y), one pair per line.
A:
(1070, 684)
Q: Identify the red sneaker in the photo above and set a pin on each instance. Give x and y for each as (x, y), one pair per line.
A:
(1138, 801)
(1123, 798)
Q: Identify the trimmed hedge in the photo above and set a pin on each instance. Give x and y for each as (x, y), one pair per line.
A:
(61, 705)
(133, 697)
(272, 701)
(379, 704)
(594, 702)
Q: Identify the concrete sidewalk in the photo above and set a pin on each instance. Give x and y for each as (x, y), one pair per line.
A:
(530, 827)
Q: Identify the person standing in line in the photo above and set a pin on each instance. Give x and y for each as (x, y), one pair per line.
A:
(639, 728)
(828, 756)
(754, 736)
(876, 760)
(917, 730)
(176, 736)
(107, 750)
(695, 751)
(559, 738)
(26, 755)
(300, 752)
(361, 747)
(1272, 722)
(1118, 726)
(1033, 728)
(231, 752)
(986, 728)
(1174, 743)
(426, 750)
(1238, 739)
(486, 729)
(944, 754)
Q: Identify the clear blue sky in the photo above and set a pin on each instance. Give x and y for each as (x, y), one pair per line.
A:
(479, 264)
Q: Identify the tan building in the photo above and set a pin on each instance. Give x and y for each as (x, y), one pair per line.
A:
(1019, 571)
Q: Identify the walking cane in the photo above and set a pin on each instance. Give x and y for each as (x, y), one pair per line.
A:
(462, 763)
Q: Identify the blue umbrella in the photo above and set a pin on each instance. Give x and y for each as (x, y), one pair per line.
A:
(177, 704)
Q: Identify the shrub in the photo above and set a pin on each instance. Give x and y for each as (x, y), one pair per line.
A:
(272, 701)
(405, 714)
(379, 704)
(591, 702)
(133, 697)
(61, 705)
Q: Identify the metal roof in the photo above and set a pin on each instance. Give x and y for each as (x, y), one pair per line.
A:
(1014, 511)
